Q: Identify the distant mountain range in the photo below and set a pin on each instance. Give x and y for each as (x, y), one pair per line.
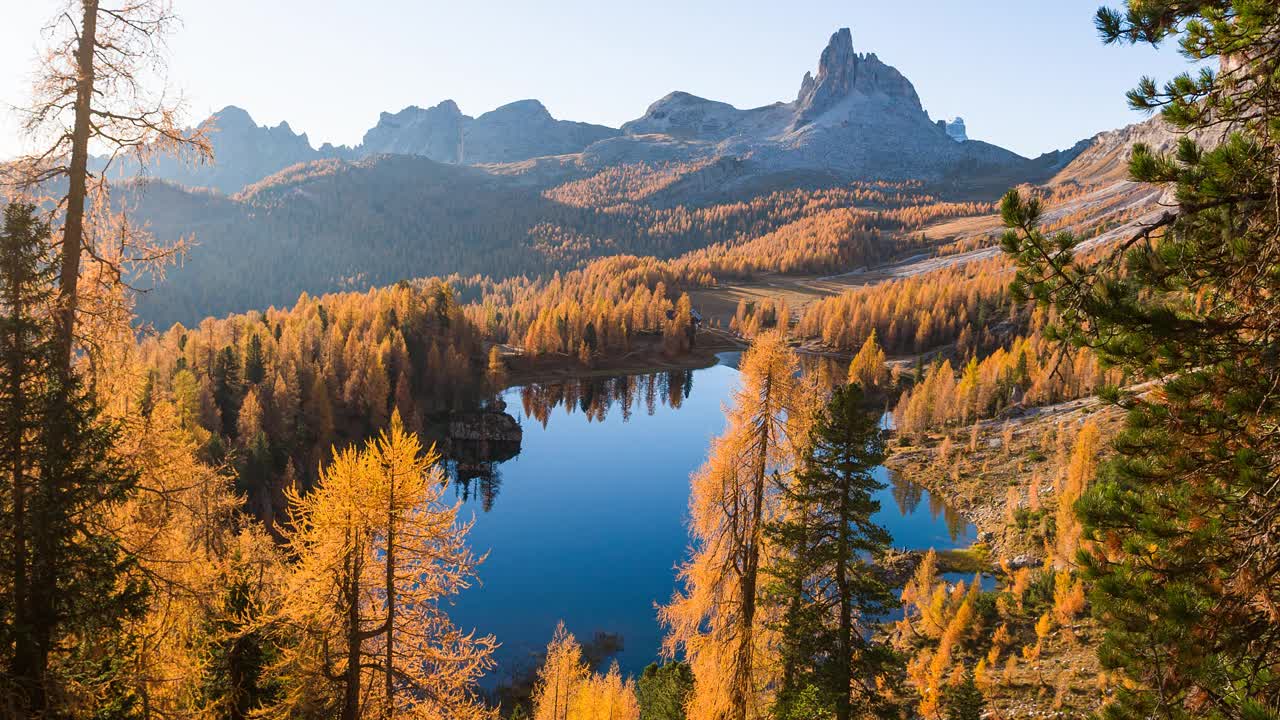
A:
(857, 118)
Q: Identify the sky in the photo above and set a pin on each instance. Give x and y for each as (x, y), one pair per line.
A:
(1029, 75)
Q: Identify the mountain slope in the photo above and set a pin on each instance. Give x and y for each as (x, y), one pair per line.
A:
(330, 225)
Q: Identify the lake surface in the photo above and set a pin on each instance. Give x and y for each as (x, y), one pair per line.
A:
(587, 522)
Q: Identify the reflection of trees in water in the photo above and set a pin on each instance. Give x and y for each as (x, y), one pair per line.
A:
(595, 397)
(475, 442)
(957, 526)
(906, 494)
(480, 480)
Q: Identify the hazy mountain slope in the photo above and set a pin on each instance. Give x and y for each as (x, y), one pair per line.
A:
(244, 152)
(334, 224)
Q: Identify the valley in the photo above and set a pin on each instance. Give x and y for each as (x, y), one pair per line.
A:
(816, 409)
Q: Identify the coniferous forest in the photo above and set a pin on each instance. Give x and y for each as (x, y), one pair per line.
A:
(820, 410)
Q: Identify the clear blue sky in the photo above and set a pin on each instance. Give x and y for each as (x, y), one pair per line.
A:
(1030, 75)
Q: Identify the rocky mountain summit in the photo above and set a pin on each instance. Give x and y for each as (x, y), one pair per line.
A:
(843, 73)
(434, 132)
(516, 131)
(857, 117)
(955, 129)
(244, 152)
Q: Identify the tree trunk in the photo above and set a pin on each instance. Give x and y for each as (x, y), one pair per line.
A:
(751, 567)
(351, 696)
(390, 589)
(77, 188)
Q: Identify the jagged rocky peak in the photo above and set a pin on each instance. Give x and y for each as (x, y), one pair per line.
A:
(955, 129)
(843, 73)
(434, 132)
(235, 122)
(230, 117)
(243, 152)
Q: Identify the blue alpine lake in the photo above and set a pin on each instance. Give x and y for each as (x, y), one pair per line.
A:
(586, 523)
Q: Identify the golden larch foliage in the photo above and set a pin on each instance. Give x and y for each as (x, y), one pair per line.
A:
(717, 620)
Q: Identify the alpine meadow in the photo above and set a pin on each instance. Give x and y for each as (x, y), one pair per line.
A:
(820, 409)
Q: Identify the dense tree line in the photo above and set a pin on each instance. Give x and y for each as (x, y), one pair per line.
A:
(269, 393)
(1031, 370)
(964, 304)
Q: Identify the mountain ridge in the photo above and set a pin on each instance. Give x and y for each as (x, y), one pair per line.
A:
(855, 118)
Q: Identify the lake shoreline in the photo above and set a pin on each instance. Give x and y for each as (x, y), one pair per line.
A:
(649, 358)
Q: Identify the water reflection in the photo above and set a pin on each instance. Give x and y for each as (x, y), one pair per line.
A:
(595, 397)
(475, 443)
(908, 496)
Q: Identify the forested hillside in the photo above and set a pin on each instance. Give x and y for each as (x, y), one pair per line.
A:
(333, 225)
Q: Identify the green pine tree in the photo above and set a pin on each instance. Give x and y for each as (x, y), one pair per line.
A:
(67, 595)
(964, 701)
(228, 388)
(1181, 526)
(239, 650)
(663, 689)
(825, 581)
(255, 368)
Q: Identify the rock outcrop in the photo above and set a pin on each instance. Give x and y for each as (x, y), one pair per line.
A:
(843, 73)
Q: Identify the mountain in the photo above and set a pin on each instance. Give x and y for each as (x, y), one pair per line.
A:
(523, 130)
(516, 131)
(434, 133)
(857, 118)
(244, 152)
(332, 225)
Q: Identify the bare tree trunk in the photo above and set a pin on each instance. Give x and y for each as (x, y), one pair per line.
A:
(77, 187)
(390, 589)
